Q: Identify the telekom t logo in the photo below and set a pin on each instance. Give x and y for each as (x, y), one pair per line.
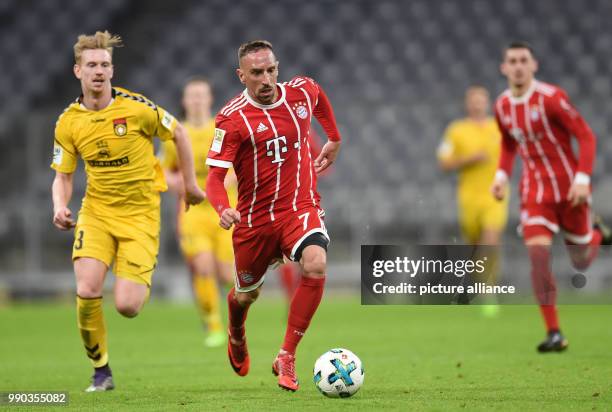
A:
(280, 146)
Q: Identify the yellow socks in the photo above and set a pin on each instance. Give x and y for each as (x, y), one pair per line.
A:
(207, 296)
(90, 319)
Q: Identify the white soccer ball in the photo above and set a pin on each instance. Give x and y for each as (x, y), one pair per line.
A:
(338, 373)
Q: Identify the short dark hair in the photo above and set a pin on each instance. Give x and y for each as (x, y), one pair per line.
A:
(519, 44)
(253, 46)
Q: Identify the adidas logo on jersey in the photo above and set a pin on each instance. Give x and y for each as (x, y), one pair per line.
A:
(261, 128)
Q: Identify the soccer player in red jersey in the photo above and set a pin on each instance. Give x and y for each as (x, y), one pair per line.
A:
(264, 134)
(537, 120)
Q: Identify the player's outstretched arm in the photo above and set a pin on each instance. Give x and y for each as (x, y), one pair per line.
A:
(567, 115)
(193, 193)
(325, 116)
(564, 112)
(62, 192)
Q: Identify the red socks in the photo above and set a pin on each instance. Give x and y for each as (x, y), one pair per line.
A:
(549, 313)
(303, 307)
(542, 279)
(237, 316)
(544, 285)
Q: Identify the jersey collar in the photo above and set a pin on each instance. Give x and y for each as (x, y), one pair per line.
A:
(277, 103)
(525, 96)
(79, 100)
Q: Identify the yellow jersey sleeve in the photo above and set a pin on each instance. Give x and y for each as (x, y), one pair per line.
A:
(450, 145)
(64, 151)
(168, 156)
(159, 123)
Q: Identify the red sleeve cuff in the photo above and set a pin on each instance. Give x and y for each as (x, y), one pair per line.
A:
(215, 189)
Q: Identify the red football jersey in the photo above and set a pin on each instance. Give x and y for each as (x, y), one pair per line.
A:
(540, 125)
(269, 148)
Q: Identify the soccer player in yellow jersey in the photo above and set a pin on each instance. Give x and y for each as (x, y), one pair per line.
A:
(207, 247)
(112, 129)
(471, 147)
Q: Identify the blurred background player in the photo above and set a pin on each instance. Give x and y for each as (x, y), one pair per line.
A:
(112, 129)
(471, 148)
(264, 133)
(538, 120)
(207, 248)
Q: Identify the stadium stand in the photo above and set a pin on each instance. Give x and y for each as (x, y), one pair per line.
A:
(396, 78)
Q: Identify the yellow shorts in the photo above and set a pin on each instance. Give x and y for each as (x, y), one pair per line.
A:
(479, 214)
(132, 242)
(199, 232)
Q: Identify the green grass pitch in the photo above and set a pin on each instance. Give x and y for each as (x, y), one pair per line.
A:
(415, 358)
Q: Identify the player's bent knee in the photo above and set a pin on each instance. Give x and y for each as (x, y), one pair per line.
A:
(130, 296)
(128, 309)
(89, 291)
(314, 268)
(314, 261)
(203, 264)
(539, 240)
(314, 271)
(247, 298)
(581, 264)
(490, 237)
(90, 275)
(580, 256)
(226, 272)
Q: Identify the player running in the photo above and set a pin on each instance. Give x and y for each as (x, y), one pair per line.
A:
(112, 129)
(538, 120)
(264, 133)
(471, 147)
(207, 248)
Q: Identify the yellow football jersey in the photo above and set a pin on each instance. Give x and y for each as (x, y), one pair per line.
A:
(201, 139)
(465, 138)
(116, 144)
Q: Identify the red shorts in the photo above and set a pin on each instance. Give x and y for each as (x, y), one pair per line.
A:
(256, 248)
(549, 218)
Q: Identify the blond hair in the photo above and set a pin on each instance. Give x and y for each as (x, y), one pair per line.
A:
(100, 40)
(476, 88)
